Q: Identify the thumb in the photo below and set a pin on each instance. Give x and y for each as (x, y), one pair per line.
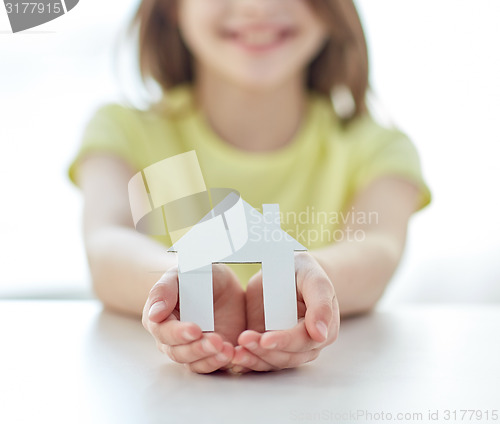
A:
(320, 301)
(162, 298)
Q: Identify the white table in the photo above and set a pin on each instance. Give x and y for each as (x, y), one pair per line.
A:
(72, 362)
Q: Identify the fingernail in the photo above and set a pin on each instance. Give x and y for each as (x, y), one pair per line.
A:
(242, 361)
(237, 369)
(221, 357)
(188, 336)
(322, 328)
(273, 346)
(208, 346)
(252, 345)
(156, 308)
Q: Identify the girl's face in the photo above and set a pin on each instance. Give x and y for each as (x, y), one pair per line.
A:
(252, 43)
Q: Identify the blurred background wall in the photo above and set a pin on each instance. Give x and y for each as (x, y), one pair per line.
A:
(435, 74)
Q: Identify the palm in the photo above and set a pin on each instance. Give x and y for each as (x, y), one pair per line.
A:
(229, 304)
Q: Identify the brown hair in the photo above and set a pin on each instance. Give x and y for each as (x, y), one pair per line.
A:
(343, 61)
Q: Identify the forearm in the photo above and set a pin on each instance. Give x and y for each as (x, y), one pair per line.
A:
(360, 271)
(124, 265)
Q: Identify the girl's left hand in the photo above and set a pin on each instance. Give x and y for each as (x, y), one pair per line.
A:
(317, 327)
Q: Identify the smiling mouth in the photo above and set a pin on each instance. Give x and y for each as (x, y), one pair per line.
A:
(259, 39)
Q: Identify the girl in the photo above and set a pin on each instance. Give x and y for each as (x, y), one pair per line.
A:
(248, 85)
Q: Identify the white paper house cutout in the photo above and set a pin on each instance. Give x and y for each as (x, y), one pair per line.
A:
(235, 232)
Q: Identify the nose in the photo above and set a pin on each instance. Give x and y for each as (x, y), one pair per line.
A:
(257, 8)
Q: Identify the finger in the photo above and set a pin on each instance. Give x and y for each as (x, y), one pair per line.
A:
(227, 367)
(296, 339)
(174, 332)
(208, 345)
(224, 276)
(162, 298)
(319, 297)
(214, 362)
(260, 359)
(245, 361)
(237, 369)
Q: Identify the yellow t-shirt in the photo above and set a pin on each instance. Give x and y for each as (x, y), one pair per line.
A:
(313, 178)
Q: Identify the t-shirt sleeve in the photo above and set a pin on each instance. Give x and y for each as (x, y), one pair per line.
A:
(387, 152)
(108, 131)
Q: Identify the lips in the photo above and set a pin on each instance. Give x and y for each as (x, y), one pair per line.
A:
(259, 38)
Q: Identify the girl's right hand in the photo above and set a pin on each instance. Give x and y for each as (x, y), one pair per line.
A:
(184, 342)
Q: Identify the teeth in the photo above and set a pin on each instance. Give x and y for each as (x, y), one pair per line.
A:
(259, 38)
